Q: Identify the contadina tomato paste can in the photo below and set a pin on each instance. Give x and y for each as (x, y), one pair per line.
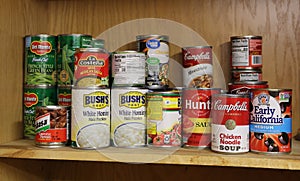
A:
(271, 120)
(230, 123)
(196, 122)
(246, 86)
(164, 119)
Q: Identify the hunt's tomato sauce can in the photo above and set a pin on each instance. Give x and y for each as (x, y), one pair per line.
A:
(271, 120)
(230, 123)
(196, 123)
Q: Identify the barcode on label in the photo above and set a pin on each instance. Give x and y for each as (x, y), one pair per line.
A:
(256, 60)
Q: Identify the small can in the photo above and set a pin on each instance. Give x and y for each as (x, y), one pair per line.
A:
(128, 117)
(128, 68)
(196, 122)
(197, 67)
(246, 52)
(90, 123)
(156, 48)
(64, 95)
(164, 119)
(91, 68)
(240, 75)
(33, 97)
(40, 60)
(230, 123)
(52, 126)
(271, 121)
(246, 86)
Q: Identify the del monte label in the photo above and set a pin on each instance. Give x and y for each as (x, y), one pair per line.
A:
(30, 99)
(40, 47)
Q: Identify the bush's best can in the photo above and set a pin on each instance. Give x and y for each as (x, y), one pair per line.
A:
(271, 120)
(230, 123)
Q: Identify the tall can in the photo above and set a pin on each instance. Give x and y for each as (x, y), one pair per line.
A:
(197, 67)
(271, 121)
(230, 123)
(40, 60)
(156, 48)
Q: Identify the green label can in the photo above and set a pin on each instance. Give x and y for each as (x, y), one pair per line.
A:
(64, 95)
(40, 60)
(34, 96)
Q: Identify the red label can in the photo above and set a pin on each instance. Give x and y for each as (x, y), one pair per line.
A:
(246, 86)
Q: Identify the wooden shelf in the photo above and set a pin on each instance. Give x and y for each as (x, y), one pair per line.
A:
(26, 149)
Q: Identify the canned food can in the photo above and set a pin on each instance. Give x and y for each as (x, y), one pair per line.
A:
(246, 52)
(196, 122)
(40, 60)
(64, 95)
(230, 123)
(52, 126)
(156, 48)
(246, 86)
(33, 97)
(164, 119)
(68, 43)
(197, 67)
(97, 43)
(128, 68)
(90, 123)
(240, 75)
(91, 68)
(271, 121)
(128, 117)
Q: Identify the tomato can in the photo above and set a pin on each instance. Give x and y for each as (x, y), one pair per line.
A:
(197, 67)
(52, 126)
(230, 123)
(196, 122)
(271, 121)
(64, 95)
(245, 86)
(164, 119)
(240, 75)
(128, 116)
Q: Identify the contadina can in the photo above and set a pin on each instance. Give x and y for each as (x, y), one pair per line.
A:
(52, 126)
(128, 117)
(164, 119)
(156, 48)
(271, 120)
(90, 124)
(230, 123)
(197, 66)
(196, 122)
(245, 87)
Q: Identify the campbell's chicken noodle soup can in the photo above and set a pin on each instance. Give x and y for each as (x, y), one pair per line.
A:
(196, 122)
(245, 87)
(230, 123)
(271, 121)
(197, 67)
(246, 52)
(240, 75)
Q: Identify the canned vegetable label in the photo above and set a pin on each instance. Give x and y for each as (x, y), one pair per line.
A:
(64, 95)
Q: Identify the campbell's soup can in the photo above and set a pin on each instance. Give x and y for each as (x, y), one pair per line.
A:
(246, 86)
(197, 67)
(240, 75)
(230, 123)
(196, 118)
(271, 120)
(246, 52)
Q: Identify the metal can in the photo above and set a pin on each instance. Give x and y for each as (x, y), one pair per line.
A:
(97, 43)
(34, 96)
(271, 121)
(128, 117)
(52, 126)
(128, 68)
(40, 60)
(196, 122)
(91, 67)
(240, 75)
(164, 119)
(246, 86)
(156, 48)
(230, 123)
(64, 95)
(197, 67)
(246, 52)
(90, 123)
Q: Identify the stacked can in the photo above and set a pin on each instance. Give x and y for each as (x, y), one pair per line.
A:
(246, 64)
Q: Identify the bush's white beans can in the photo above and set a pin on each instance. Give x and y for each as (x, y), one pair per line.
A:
(230, 123)
(90, 125)
(128, 116)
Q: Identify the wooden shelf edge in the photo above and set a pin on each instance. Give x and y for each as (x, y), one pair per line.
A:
(25, 149)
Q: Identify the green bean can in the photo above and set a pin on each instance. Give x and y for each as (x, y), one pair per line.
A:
(64, 95)
(41, 95)
(68, 43)
(40, 60)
